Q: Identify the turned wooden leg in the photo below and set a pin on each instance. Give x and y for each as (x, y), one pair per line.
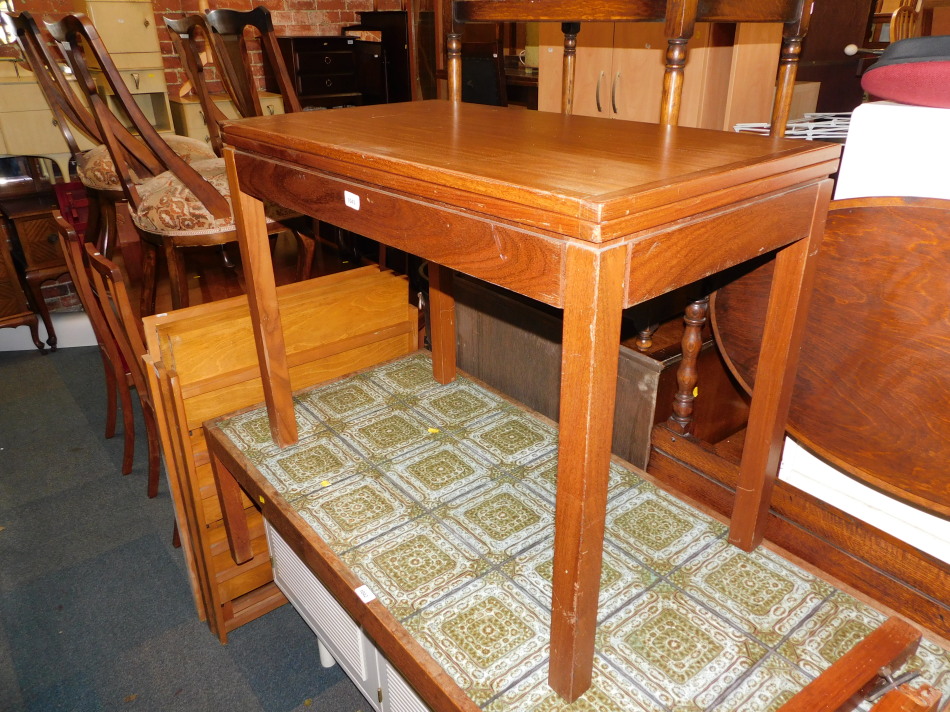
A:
(645, 336)
(128, 423)
(154, 457)
(570, 30)
(128, 241)
(111, 394)
(687, 375)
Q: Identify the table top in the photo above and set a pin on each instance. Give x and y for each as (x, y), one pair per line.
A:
(594, 172)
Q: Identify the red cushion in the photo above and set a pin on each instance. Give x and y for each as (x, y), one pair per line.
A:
(918, 83)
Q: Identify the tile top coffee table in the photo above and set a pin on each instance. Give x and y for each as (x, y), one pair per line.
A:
(584, 214)
(438, 501)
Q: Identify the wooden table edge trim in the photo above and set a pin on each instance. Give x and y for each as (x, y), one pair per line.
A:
(416, 665)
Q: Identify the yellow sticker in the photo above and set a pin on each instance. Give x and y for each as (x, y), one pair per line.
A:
(325, 483)
(695, 391)
(434, 430)
(260, 497)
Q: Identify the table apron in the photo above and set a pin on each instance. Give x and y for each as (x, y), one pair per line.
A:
(712, 242)
(526, 262)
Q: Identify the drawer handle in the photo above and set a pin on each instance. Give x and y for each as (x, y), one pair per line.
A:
(270, 110)
(51, 238)
(146, 22)
(329, 82)
(136, 77)
(327, 60)
(597, 93)
(201, 114)
(55, 122)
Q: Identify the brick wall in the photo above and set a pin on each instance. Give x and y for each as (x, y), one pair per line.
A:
(291, 18)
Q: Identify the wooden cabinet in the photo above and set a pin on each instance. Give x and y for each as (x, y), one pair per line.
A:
(189, 118)
(14, 307)
(393, 30)
(730, 72)
(127, 27)
(27, 126)
(323, 69)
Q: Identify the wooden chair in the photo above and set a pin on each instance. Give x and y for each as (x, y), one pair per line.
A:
(905, 22)
(95, 167)
(876, 351)
(229, 39)
(115, 368)
(187, 205)
(223, 34)
(126, 329)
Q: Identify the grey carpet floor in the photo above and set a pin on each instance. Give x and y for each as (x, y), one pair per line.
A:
(95, 609)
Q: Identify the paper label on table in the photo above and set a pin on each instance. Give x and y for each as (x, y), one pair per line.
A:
(352, 200)
(365, 594)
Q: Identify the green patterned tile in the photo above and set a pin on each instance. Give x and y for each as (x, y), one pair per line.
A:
(682, 654)
(386, 433)
(458, 404)
(513, 439)
(439, 473)
(760, 592)
(410, 375)
(411, 566)
(250, 431)
(621, 578)
(838, 625)
(311, 462)
(769, 686)
(355, 510)
(541, 476)
(933, 663)
(344, 400)
(486, 635)
(609, 692)
(499, 521)
(658, 529)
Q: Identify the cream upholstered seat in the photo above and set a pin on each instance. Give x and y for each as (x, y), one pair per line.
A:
(169, 207)
(96, 170)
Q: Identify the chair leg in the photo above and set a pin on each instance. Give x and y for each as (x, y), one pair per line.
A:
(177, 277)
(176, 537)
(111, 396)
(154, 460)
(149, 280)
(128, 423)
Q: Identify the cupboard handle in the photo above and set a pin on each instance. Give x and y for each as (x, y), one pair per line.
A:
(270, 110)
(597, 93)
(613, 93)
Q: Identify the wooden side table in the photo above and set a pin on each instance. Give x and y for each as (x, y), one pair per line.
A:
(586, 215)
(15, 308)
(35, 231)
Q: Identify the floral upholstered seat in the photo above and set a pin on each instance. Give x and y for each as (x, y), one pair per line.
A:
(97, 171)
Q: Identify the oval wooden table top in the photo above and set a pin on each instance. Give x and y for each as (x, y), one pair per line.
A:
(871, 394)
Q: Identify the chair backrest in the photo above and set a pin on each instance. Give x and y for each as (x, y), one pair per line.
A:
(75, 34)
(483, 74)
(680, 18)
(874, 360)
(109, 288)
(230, 55)
(905, 22)
(67, 108)
(188, 34)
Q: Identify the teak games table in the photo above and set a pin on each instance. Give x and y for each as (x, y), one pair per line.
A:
(588, 215)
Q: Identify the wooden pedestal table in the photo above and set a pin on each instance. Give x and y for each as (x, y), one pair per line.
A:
(583, 214)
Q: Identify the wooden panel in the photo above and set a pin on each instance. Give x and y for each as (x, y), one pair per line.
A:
(38, 238)
(196, 379)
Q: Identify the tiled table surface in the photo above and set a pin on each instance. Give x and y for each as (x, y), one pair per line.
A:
(441, 499)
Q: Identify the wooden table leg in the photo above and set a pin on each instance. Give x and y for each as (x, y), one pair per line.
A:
(232, 508)
(265, 314)
(789, 298)
(442, 318)
(592, 311)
